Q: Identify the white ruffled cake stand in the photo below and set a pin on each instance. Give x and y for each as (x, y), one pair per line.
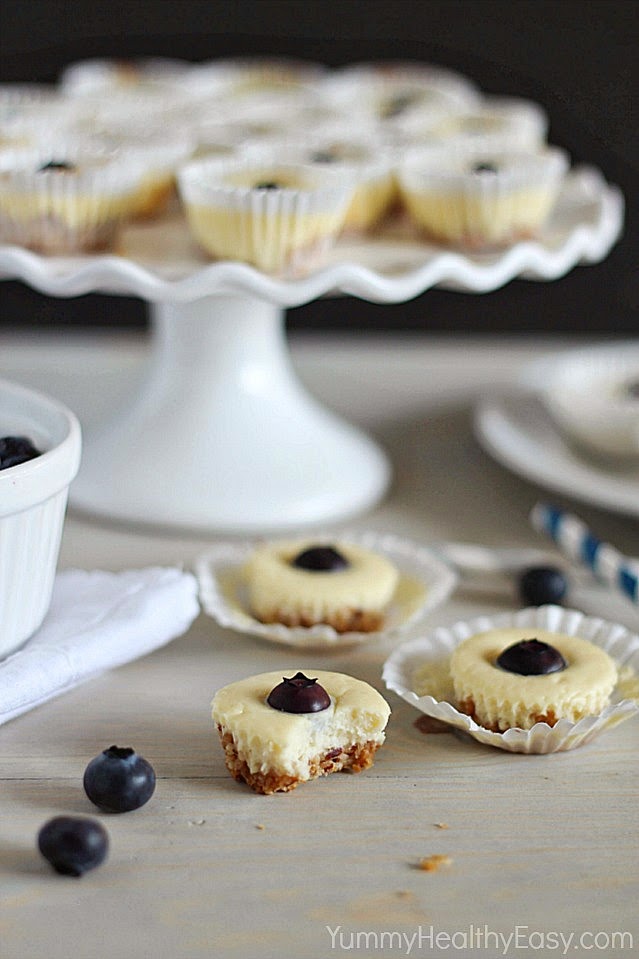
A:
(221, 435)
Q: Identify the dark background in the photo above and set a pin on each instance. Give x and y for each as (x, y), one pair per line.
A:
(580, 60)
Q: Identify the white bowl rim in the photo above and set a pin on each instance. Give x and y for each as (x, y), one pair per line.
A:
(38, 479)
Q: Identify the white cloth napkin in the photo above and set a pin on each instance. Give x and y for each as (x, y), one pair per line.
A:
(97, 620)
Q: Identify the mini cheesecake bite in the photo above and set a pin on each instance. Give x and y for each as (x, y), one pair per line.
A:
(508, 677)
(279, 217)
(364, 157)
(278, 729)
(480, 199)
(65, 200)
(499, 123)
(305, 583)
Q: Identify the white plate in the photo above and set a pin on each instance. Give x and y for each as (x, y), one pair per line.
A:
(424, 583)
(433, 651)
(518, 431)
(159, 262)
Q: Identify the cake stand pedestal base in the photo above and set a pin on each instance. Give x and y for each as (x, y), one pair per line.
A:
(222, 436)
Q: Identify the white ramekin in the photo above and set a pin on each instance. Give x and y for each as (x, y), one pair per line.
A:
(591, 394)
(33, 498)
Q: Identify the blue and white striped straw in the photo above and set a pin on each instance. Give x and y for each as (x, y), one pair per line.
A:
(579, 544)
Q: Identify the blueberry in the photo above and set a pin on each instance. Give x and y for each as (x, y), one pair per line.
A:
(320, 559)
(57, 166)
(73, 845)
(118, 780)
(398, 105)
(15, 450)
(299, 694)
(541, 585)
(531, 657)
(484, 168)
(323, 156)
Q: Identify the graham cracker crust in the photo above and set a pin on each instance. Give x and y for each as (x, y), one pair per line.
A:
(342, 621)
(467, 706)
(355, 758)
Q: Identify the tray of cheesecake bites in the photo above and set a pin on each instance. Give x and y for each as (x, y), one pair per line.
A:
(399, 171)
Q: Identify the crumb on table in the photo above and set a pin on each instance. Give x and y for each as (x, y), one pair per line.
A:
(433, 863)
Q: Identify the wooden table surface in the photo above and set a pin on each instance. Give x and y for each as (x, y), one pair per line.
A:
(544, 854)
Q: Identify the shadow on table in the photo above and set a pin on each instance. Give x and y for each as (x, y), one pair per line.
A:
(442, 473)
(22, 859)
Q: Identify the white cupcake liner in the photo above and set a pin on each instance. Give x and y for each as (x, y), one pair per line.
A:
(64, 212)
(455, 84)
(31, 124)
(264, 116)
(495, 123)
(162, 107)
(387, 104)
(446, 167)
(455, 205)
(435, 648)
(219, 137)
(245, 76)
(242, 126)
(264, 106)
(17, 96)
(158, 156)
(374, 92)
(86, 77)
(370, 164)
(283, 231)
(358, 152)
(424, 583)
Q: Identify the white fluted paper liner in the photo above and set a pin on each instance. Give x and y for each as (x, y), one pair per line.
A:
(452, 201)
(158, 154)
(413, 658)
(494, 123)
(153, 151)
(283, 230)
(367, 160)
(26, 125)
(64, 212)
(244, 76)
(390, 95)
(424, 583)
(15, 96)
(97, 620)
(88, 77)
